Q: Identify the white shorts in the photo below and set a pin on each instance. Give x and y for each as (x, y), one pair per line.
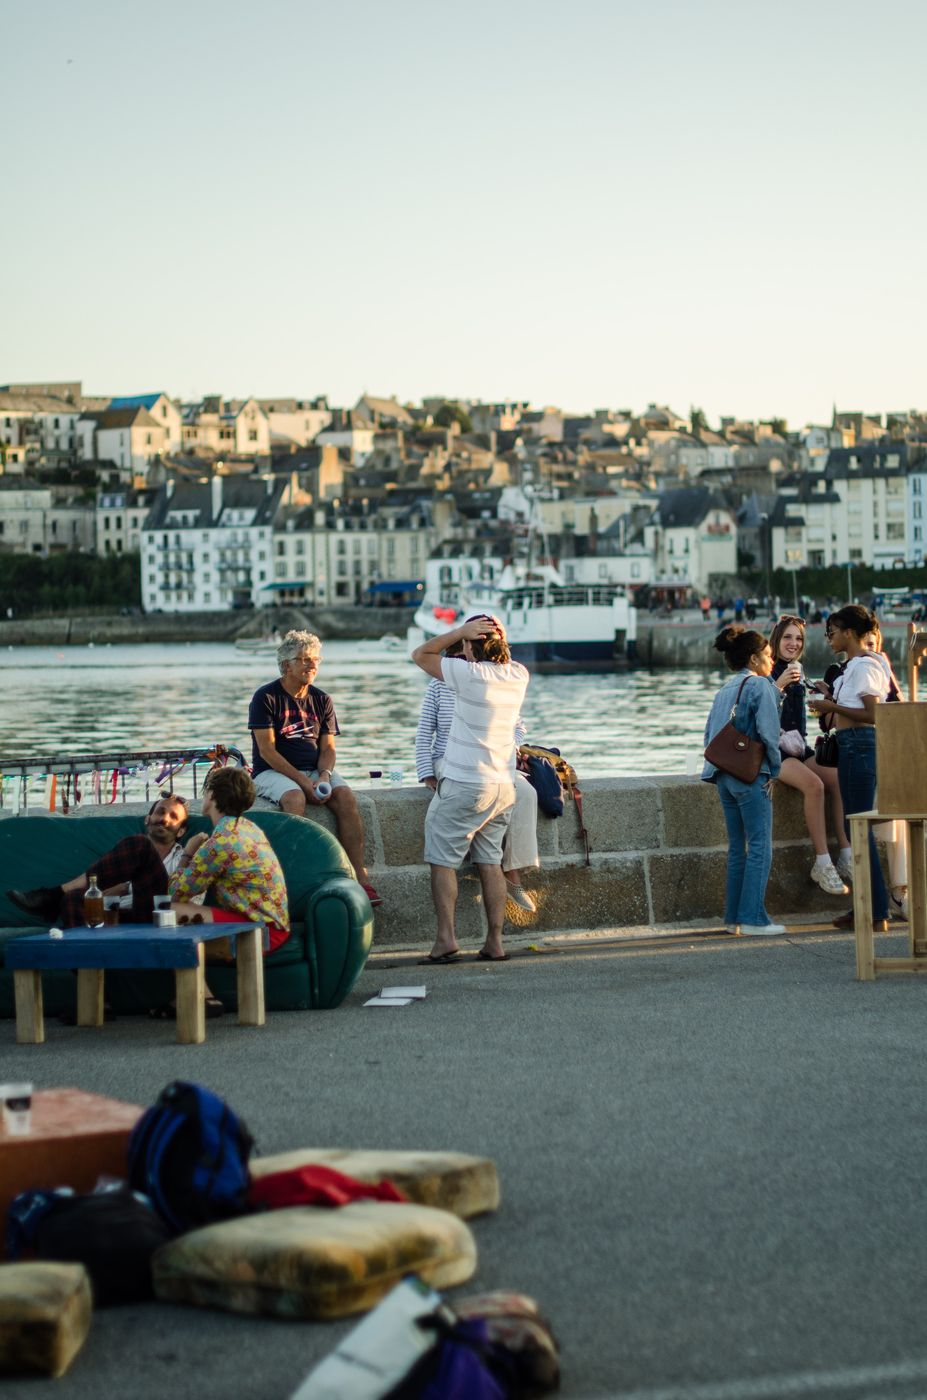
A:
(272, 785)
(464, 816)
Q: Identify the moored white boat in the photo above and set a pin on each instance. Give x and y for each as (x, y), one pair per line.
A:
(548, 621)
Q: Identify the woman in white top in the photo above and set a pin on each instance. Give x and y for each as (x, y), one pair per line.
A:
(863, 685)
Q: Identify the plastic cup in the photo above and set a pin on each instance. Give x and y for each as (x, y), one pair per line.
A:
(693, 764)
(17, 1108)
(323, 791)
(396, 776)
(111, 908)
(375, 774)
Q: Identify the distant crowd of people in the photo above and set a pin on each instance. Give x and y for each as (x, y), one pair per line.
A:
(768, 698)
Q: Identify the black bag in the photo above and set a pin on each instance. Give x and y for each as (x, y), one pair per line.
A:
(736, 753)
(190, 1155)
(112, 1233)
(826, 750)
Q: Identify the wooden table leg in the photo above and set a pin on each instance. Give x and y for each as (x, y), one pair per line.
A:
(30, 1008)
(917, 885)
(250, 970)
(190, 985)
(90, 996)
(862, 900)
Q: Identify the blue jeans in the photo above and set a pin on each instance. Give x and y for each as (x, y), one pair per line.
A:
(747, 811)
(856, 774)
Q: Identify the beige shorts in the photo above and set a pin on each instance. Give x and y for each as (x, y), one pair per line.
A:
(272, 785)
(464, 817)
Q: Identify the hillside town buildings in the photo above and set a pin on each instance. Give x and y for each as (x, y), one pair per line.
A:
(248, 502)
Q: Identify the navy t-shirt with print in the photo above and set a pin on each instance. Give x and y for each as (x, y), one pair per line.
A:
(297, 724)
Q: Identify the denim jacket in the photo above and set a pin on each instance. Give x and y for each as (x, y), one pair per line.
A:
(757, 716)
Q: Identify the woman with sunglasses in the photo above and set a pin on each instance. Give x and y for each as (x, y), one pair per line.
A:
(862, 686)
(799, 769)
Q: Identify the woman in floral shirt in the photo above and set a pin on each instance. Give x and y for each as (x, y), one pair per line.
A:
(236, 861)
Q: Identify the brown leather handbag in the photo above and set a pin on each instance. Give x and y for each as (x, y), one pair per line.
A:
(736, 753)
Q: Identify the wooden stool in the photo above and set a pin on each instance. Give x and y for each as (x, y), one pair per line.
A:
(867, 964)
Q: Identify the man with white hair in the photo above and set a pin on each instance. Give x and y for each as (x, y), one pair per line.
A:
(293, 727)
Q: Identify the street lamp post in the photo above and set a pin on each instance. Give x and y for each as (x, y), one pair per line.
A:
(849, 581)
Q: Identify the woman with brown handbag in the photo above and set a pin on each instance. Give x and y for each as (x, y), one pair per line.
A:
(749, 704)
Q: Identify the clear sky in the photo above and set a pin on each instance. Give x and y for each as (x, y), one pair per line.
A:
(583, 202)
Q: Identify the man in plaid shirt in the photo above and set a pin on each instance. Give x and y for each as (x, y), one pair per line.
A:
(144, 861)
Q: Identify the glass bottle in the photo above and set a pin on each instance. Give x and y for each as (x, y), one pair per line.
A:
(93, 903)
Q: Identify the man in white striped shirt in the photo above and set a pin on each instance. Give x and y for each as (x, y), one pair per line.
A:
(474, 798)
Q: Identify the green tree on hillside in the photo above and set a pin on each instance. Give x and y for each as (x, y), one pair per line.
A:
(450, 413)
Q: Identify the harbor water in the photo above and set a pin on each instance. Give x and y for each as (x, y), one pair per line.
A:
(90, 699)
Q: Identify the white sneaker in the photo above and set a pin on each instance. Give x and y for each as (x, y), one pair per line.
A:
(828, 879)
(520, 897)
(761, 930)
(844, 868)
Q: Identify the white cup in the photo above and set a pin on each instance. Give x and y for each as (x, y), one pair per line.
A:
(17, 1108)
(165, 918)
(323, 791)
(694, 763)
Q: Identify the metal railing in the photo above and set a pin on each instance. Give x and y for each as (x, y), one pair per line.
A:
(63, 782)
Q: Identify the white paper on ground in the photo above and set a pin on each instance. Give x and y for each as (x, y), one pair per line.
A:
(379, 1351)
(389, 1001)
(413, 993)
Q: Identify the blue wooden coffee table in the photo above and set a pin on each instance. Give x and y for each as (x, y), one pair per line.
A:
(92, 950)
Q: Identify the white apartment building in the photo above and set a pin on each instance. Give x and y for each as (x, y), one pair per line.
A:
(120, 519)
(295, 422)
(206, 545)
(320, 557)
(357, 440)
(163, 410)
(692, 536)
(861, 508)
(917, 512)
(234, 427)
(38, 424)
(129, 437)
(31, 522)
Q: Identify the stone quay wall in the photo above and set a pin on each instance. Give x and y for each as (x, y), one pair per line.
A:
(658, 857)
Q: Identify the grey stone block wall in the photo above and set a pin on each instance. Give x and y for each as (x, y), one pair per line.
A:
(658, 856)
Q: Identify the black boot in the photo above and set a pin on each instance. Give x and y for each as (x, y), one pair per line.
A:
(46, 900)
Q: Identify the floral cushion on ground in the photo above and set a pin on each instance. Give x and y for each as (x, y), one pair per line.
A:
(308, 1262)
(45, 1314)
(451, 1181)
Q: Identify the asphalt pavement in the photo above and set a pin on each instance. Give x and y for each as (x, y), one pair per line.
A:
(712, 1154)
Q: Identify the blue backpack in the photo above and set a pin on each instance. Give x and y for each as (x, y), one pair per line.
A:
(189, 1154)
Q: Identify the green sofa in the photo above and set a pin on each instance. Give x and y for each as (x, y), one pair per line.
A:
(330, 915)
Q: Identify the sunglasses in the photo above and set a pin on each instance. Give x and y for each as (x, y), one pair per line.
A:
(172, 797)
(790, 617)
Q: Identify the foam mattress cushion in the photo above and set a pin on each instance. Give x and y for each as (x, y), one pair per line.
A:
(450, 1181)
(309, 1262)
(45, 1314)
